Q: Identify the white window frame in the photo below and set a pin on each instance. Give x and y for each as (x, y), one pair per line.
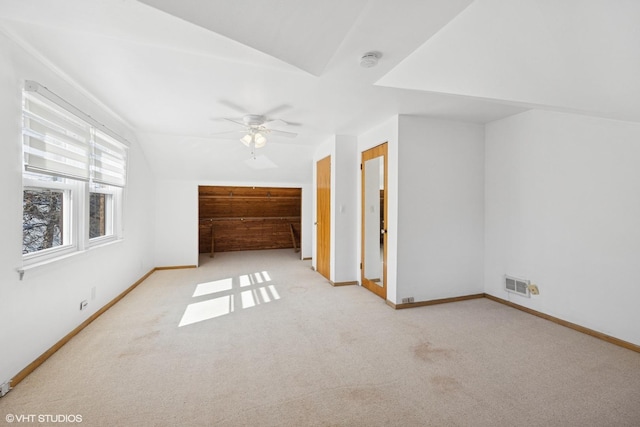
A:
(76, 209)
(70, 213)
(114, 215)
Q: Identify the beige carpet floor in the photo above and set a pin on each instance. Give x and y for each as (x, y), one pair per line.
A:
(259, 339)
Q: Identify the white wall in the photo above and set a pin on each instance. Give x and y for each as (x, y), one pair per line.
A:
(344, 206)
(563, 209)
(42, 308)
(346, 201)
(441, 208)
(307, 222)
(176, 208)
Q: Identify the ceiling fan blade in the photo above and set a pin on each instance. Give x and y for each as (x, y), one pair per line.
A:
(233, 106)
(276, 110)
(260, 162)
(283, 133)
(274, 123)
(236, 121)
(228, 134)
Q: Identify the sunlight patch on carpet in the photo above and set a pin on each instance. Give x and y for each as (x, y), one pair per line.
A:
(247, 299)
(249, 290)
(213, 287)
(205, 310)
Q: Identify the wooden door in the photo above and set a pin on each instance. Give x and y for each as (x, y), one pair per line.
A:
(323, 217)
(374, 220)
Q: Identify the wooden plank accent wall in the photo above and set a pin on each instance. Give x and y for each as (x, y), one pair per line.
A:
(248, 218)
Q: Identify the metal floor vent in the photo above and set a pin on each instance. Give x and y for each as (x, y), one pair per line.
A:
(517, 286)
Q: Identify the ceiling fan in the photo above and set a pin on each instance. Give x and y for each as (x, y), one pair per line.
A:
(255, 129)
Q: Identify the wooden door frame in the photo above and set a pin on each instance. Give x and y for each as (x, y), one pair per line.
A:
(377, 151)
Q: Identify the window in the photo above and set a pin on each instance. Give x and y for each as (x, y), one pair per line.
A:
(44, 222)
(103, 200)
(47, 216)
(74, 174)
(99, 210)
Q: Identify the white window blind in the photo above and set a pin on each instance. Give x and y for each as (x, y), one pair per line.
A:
(109, 165)
(61, 140)
(55, 142)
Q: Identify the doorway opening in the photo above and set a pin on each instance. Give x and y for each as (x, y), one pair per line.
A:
(248, 218)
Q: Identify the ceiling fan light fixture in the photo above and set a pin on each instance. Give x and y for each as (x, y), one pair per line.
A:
(256, 128)
(260, 140)
(246, 140)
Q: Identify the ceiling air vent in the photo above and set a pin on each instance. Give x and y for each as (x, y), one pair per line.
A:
(517, 286)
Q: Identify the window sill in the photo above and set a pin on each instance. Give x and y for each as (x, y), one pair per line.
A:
(102, 243)
(35, 265)
(38, 264)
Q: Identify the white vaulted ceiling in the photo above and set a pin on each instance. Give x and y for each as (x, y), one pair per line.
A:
(304, 35)
(170, 68)
(577, 55)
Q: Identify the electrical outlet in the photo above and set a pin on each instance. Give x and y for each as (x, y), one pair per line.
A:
(533, 289)
(407, 300)
(83, 305)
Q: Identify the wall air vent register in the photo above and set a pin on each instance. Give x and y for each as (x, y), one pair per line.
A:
(517, 286)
